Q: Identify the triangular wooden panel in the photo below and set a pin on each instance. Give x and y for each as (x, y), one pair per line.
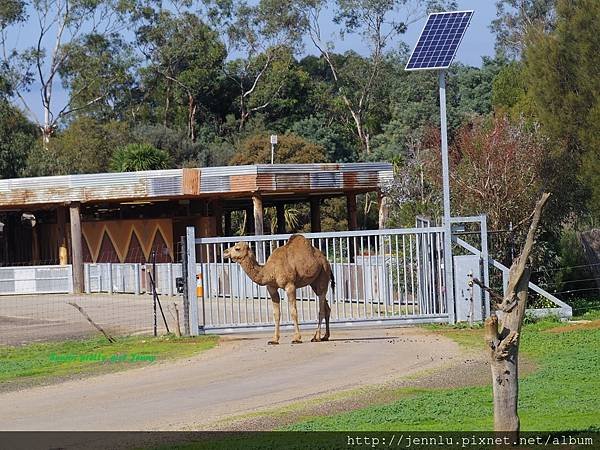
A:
(120, 233)
(107, 251)
(161, 248)
(135, 253)
(93, 232)
(166, 230)
(145, 231)
(85, 250)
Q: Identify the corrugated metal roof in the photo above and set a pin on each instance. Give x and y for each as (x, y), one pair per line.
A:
(193, 182)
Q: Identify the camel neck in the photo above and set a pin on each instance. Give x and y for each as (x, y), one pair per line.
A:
(253, 269)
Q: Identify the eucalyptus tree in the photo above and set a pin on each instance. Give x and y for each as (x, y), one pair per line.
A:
(55, 26)
(377, 23)
(187, 55)
(514, 19)
(261, 41)
(99, 75)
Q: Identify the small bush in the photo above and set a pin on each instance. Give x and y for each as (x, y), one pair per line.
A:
(138, 157)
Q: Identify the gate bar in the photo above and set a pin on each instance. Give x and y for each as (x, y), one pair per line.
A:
(190, 254)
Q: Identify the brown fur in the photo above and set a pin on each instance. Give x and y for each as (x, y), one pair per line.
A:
(294, 265)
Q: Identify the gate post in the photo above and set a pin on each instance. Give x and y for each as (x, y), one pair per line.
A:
(486, 262)
(184, 276)
(449, 272)
(192, 299)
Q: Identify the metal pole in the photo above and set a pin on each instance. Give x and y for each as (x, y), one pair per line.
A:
(448, 264)
(153, 277)
(191, 280)
(486, 262)
(184, 274)
(272, 153)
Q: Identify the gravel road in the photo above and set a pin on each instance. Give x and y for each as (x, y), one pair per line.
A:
(241, 375)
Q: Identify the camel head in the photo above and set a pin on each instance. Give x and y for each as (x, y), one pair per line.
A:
(238, 252)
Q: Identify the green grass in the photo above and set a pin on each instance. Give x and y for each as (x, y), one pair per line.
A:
(41, 361)
(561, 395)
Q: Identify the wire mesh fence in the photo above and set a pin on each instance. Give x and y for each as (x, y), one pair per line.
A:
(37, 303)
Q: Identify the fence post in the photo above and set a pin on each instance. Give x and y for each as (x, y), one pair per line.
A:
(87, 279)
(110, 278)
(191, 280)
(136, 278)
(449, 272)
(486, 262)
(184, 275)
(70, 271)
(170, 279)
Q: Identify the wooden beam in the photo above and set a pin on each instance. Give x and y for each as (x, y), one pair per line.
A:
(351, 211)
(280, 218)
(228, 223)
(218, 213)
(249, 224)
(76, 247)
(315, 214)
(258, 215)
(383, 203)
(35, 246)
(61, 220)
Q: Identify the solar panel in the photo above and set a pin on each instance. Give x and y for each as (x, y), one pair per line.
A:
(439, 40)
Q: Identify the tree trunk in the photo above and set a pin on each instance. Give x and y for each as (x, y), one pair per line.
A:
(503, 339)
(504, 361)
(191, 117)
(167, 104)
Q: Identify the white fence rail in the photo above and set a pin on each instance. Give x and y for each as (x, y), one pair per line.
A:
(36, 280)
(131, 278)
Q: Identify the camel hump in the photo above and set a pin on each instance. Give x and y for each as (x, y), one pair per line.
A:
(297, 238)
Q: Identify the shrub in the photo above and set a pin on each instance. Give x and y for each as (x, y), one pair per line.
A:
(137, 157)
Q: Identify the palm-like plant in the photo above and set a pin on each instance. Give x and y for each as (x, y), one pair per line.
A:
(137, 157)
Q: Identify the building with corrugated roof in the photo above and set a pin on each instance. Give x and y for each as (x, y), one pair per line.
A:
(125, 217)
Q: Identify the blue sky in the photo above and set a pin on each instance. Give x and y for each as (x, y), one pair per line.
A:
(478, 42)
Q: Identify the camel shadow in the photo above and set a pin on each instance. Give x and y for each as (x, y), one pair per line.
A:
(374, 338)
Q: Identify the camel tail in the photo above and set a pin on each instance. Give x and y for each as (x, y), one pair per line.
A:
(332, 281)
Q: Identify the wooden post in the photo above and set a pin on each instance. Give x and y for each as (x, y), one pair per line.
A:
(35, 246)
(61, 220)
(351, 211)
(76, 247)
(383, 210)
(315, 214)
(280, 218)
(249, 222)
(258, 225)
(503, 339)
(228, 223)
(218, 213)
(258, 215)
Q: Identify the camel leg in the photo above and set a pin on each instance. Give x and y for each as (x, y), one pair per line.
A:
(327, 315)
(274, 293)
(291, 295)
(320, 287)
(322, 310)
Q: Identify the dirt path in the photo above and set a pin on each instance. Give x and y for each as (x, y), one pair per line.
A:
(240, 376)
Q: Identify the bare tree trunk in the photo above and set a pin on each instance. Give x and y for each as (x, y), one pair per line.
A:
(503, 339)
(167, 104)
(504, 361)
(191, 117)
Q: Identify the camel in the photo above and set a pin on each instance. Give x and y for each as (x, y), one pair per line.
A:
(291, 266)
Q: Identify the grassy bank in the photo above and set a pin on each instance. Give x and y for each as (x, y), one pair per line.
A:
(561, 395)
(39, 362)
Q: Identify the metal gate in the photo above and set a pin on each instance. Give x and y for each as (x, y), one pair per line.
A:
(393, 275)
